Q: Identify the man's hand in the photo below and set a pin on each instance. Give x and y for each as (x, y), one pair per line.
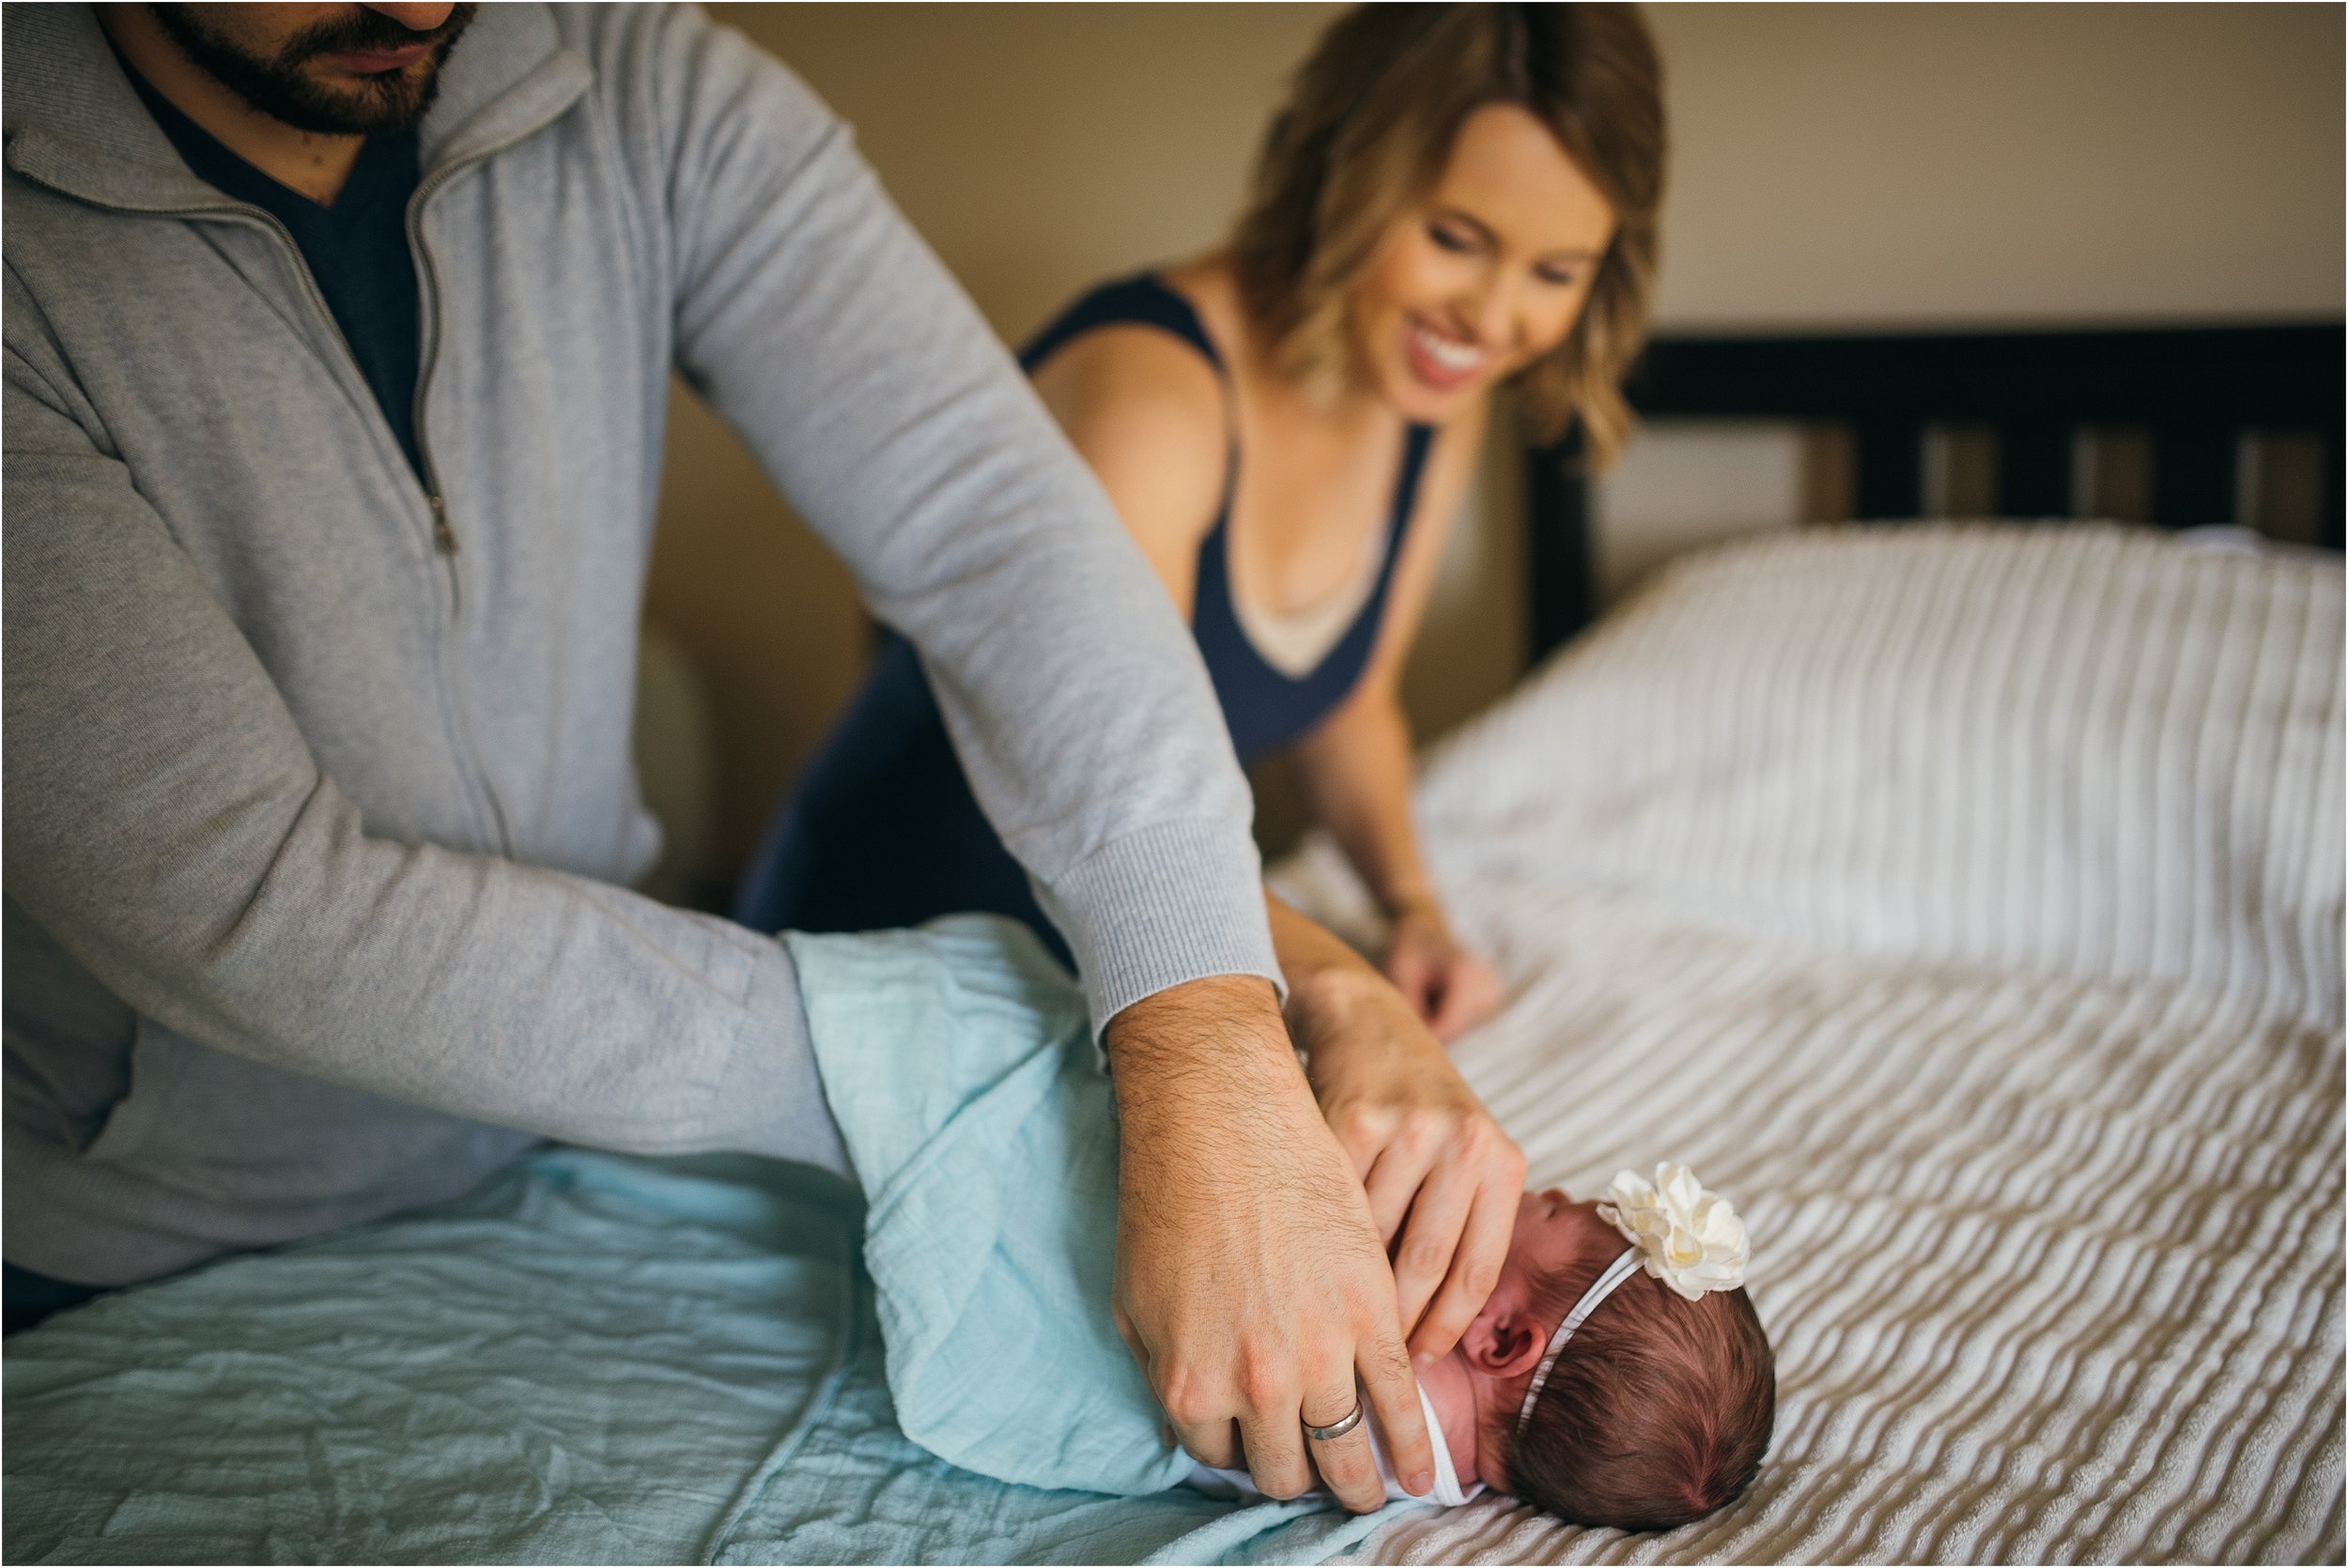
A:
(1449, 987)
(1251, 1285)
(1442, 1178)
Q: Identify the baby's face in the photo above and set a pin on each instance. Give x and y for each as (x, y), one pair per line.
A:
(1497, 1354)
(1553, 1232)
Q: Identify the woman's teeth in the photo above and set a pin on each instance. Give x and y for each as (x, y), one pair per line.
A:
(1447, 354)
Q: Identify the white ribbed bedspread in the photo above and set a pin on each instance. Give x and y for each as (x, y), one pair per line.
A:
(1965, 902)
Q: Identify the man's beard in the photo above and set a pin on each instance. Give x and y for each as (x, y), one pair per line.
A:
(279, 87)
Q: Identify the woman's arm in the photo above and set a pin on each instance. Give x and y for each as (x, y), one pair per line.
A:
(1355, 767)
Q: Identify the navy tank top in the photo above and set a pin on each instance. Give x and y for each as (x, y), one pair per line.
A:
(882, 829)
(1264, 707)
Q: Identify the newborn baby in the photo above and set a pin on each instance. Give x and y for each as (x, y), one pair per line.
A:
(1642, 1416)
(1616, 1376)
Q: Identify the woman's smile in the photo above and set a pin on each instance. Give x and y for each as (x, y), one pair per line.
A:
(1443, 361)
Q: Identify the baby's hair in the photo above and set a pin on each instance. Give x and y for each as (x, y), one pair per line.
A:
(1658, 1412)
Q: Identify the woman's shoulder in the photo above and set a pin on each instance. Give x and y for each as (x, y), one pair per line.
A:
(1133, 364)
(1133, 392)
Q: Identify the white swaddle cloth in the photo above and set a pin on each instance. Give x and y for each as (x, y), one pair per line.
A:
(1445, 1493)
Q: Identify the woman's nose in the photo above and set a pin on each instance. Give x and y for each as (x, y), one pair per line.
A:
(1491, 315)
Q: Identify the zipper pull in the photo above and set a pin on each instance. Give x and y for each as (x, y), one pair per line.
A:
(443, 536)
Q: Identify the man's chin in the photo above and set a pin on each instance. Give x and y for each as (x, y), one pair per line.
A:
(300, 87)
(366, 94)
(358, 103)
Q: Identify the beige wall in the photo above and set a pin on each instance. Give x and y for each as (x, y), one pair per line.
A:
(1861, 164)
(1916, 164)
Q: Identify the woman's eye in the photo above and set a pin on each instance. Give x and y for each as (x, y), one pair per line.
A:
(1450, 239)
(1562, 277)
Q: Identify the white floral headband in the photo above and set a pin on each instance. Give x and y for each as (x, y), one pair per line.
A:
(1687, 1238)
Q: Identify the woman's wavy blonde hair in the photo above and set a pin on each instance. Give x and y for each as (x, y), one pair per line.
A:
(1368, 128)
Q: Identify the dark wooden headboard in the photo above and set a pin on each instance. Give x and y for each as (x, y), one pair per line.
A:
(2195, 393)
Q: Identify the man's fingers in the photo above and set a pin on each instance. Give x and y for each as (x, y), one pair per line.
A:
(1432, 1236)
(1474, 1269)
(1348, 1467)
(1213, 1443)
(1391, 1390)
(1274, 1443)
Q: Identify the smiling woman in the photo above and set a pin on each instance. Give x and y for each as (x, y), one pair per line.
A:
(1525, 140)
(1455, 197)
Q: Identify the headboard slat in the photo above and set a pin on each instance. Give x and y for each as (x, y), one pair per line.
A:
(2035, 478)
(2193, 474)
(1891, 468)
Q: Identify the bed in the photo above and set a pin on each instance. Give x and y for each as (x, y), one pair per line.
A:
(1965, 900)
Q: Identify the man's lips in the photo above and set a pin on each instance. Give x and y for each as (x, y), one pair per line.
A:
(375, 62)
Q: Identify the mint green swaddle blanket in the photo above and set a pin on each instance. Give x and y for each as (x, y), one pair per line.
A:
(960, 1069)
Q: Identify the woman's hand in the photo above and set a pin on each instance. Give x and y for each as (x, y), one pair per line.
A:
(1451, 988)
(1442, 1178)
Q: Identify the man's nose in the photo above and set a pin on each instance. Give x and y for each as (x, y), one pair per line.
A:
(416, 18)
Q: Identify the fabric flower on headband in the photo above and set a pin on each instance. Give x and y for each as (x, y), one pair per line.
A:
(1687, 1238)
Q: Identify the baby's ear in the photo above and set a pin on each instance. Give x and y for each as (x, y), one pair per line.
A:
(1504, 1344)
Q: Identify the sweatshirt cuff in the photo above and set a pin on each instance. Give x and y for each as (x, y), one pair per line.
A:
(768, 1098)
(1161, 907)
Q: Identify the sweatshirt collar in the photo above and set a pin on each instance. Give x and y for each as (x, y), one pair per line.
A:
(72, 121)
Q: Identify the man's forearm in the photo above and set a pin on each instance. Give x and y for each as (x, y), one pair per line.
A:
(1250, 1285)
(1221, 1031)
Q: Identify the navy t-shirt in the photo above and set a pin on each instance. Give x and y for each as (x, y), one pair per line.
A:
(357, 249)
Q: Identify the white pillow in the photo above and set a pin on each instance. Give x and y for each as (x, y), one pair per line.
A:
(2083, 748)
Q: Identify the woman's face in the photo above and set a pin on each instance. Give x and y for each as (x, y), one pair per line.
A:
(1486, 274)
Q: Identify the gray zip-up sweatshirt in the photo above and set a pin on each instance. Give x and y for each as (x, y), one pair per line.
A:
(317, 796)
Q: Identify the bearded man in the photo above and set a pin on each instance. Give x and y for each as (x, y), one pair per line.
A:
(338, 340)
